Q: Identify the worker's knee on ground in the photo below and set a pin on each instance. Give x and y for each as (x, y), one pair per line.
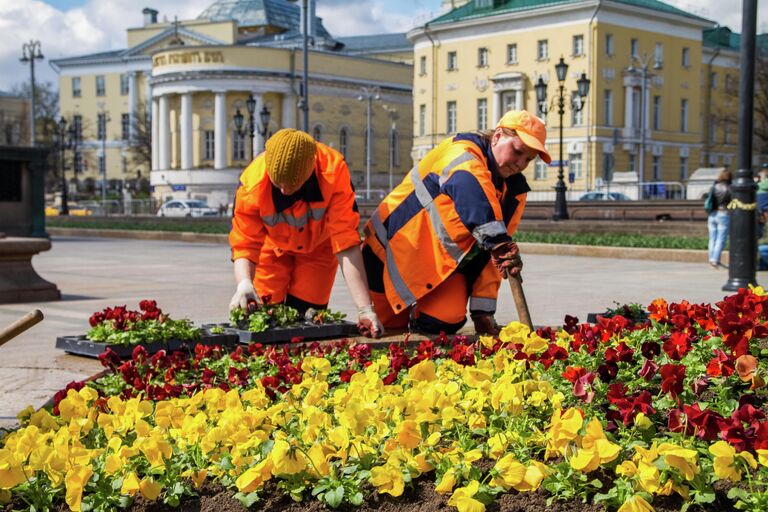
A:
(431, 325)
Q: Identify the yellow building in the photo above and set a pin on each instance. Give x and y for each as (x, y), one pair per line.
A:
(649, 108)
(14, 120)
(170, 99)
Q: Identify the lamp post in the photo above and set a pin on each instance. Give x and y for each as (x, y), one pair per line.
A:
(577, 104)
(103, 120)
(65, 140)
(264, 115)
(304, 102)
(30, 52)
(393, 116)
(368, 94)
(644, 62)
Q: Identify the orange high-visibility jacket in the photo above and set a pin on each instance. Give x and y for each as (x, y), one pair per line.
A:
(324, 208)
(444, 206)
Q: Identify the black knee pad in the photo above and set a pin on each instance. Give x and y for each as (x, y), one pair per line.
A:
(431, 325)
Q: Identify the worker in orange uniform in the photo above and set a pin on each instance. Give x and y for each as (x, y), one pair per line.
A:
(295, 220)
(442, 237)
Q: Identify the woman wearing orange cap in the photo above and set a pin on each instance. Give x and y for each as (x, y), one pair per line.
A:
(295, 220)
(442, 237)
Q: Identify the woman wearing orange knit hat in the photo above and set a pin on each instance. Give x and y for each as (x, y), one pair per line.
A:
(442, 238)
(295, 221)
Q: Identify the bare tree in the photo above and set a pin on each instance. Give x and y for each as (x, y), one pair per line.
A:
(761, 103)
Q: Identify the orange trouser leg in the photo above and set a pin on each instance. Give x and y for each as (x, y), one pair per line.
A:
(444, 308)
(387, 316)
(297, 278)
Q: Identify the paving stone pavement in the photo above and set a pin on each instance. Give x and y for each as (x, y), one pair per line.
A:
(195, 281)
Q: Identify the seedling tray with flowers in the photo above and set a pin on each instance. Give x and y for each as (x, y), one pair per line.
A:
(631, 311)
(278, 323)
(122, 330)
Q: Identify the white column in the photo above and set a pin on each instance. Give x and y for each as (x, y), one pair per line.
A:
(258, 141)
(186, 130)
(133, 104)
(288, 114)
(519, 99)
(155, 133)
(628, 109)
(164, 134)
(220, 131)
(496, 106)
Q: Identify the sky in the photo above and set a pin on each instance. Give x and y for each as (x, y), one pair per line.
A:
(77, 27)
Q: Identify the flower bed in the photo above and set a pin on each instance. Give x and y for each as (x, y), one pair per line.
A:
(667, 414)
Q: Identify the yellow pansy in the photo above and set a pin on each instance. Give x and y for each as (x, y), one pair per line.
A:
(197, 477)
(497, 444)
(534, 474)
(75, 483)
(463, 498)
(446, 482)
(388, 479)
(643, 422)
(318, 460)
(408, 434)
(511, 472)
(514, 332)
(150, 489)
(255, 477)
(682, 459)
(286, 459)
(636, 504)
(626, 469)
(130, 484)
(648, 477)
(423, 371)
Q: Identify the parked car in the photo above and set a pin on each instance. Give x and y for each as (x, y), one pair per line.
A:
(186, 208)
(604, 196)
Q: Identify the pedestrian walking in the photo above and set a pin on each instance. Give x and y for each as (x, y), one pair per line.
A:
(718, 221)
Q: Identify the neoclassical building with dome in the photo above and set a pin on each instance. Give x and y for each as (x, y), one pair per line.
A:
(173, 107)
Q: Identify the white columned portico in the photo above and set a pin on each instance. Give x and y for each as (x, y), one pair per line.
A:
(186, 130)
(133, 104)
(496, 106)
(628, 109)
(155, 134)
(258, 141)
(164, 134)
(220, 130)
(288, 114)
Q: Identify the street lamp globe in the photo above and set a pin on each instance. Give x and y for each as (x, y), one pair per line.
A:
(264, 116)
(541, 91)
(238, 118)
(250, 104)
(583, 85)
(561, 68)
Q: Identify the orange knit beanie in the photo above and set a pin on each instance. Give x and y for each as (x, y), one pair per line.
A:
(290, 157)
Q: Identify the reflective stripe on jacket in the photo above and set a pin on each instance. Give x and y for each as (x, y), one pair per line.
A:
(426, 226)
(323, 209)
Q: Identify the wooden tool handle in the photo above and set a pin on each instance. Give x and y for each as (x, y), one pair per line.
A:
(20, 325)
(516, 286)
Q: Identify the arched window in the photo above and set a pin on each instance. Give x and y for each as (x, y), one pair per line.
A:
(343, 137)
(317, 133)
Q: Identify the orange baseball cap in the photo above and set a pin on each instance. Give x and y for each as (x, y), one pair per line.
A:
(529, 128)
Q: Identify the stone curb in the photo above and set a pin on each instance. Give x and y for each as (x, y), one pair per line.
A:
(591, 251)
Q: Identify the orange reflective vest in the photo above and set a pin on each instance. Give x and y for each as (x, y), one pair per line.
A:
(323, 210)
(427, 225)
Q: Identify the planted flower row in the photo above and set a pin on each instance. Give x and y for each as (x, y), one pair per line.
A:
(618, 413)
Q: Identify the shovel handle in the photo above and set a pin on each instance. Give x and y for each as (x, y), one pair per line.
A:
(516, 286)
(20, 325)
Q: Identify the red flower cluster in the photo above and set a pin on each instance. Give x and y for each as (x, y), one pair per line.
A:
(122, 318)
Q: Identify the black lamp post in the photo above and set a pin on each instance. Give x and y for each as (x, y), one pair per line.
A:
(577, 104)
(264, 115)
(30, 53)
(65, 141)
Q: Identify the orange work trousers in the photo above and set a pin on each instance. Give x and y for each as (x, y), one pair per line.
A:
(300, 280)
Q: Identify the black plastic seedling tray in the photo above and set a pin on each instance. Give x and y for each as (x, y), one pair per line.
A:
(82, 346)
(307, 331)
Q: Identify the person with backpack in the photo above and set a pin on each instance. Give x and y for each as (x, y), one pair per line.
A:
(718, 221)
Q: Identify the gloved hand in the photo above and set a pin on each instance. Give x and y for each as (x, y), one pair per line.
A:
(506, 257)
(485, 323)
(244, 295)
(368, 323)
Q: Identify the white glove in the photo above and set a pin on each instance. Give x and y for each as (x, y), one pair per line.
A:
(244, 294)
(368, 323)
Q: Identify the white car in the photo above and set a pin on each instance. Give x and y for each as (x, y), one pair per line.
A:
(186, 208)
(604, 196)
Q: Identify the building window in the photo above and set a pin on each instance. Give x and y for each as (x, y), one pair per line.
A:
(683, 115)
(608, 107)
(422, 65)
(482, 57)
(124, 77)
(726, 132)
(482, 114)
(631, 163)
(422, 120)
(76, 91)
(451, 117)
(577, 116)
(238, 146)
(686, 60)
(125, 125)
(100, 85)
(452, 61)
(712, 128)
(343, 142)
(578, 45)
(208, 144)
(542, 49)
(609, 45)
(683, 168)
(713, 80)
(512, 53)
(634, 47)
(657, 112)
(394, 148)
(101, 126)
(540, 169)
(659, 54)
(575, 166)
(317, 133)
(656, 168)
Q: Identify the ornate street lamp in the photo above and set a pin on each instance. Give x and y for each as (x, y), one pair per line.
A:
(577, 104)
(239, 119)
(304, 102)
(30, 52)
(368, 94)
